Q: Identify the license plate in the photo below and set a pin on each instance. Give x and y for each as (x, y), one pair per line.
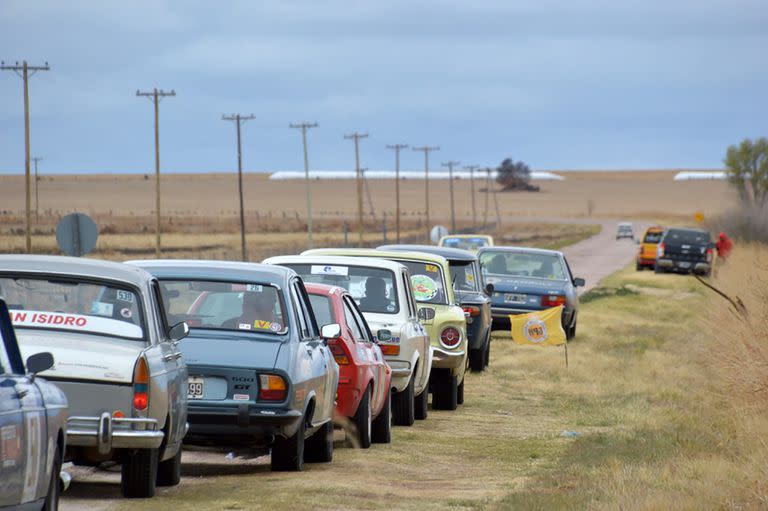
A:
(195, 387)
(684, 265)
(515, 298)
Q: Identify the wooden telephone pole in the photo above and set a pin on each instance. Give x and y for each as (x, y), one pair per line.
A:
(427, 150)
(359, 178)
(397, 148)
(37, 183)
(471, 169)
(450, 165)
(304, 126)
(239, 120)
(25, 71)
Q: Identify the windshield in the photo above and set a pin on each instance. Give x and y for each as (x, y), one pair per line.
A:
(652, 237)
(372, 288)
(323, 309)
(497, 265)
(72, 305)
(427, 282)
(686, 237)
(5, 360)
(465, 243)
(464, 278)
(221, 305)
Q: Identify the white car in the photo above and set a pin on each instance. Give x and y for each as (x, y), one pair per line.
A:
(383, 292)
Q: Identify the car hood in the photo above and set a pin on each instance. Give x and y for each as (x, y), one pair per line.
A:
(205, 348)
(83, 357)
(529, 286)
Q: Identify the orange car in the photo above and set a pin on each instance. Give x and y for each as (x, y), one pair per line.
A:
(646, 258)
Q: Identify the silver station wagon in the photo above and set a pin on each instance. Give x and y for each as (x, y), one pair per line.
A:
(116, 359)
(260, 372)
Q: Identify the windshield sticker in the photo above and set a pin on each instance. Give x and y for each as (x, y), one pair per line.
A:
(244, 326)
(390, 308)
(275, 327)
(102, 309)
(424, 288)
(124, 296)
(470, 277)
(431, 268)
(77, 322)
(126, 313)
(329, 270)
(263, 325)
(253, 287)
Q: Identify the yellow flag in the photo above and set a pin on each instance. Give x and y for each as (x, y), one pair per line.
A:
(542, 328)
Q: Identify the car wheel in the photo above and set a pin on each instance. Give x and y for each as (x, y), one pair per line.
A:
(488, 351)
(638, 267)
(169, 471)
(139, 474)
(421, 405)
(460, 392)
(477, 360)
(445, 393)
(381, 433)
(363, 419)
(319, 447)
(288, 453)
(403, 405)
(52, 498)
(571, 333)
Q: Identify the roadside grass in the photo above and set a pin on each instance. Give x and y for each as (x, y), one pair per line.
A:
(640, 420)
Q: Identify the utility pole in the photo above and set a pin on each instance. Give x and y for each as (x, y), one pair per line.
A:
(487, 191)
(25, 71)
(426, 150)
(304, 126)
(239, 120)
(471, 169)
(155, 96)
(368, 193)
(450, 165)
(37, 196)
(358, 177)
(397, 148)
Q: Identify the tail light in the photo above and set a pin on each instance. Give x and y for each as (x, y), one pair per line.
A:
(552, 300)
(339, 353)
(450, 337)
(272, 388)
(141, 385)
(660, 250)
(390, 349)
(471, 311)
(709, 255)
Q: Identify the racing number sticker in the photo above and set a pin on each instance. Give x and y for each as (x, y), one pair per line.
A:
(124, 296)
(424, 288)
(535, 330)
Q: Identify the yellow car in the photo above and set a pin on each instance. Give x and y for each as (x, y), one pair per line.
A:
(471, 242)
(646, 257)
(440, 314)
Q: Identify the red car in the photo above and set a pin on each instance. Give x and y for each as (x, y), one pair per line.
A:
(364, 393)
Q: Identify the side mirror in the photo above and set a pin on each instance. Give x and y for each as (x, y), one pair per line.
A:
(426, 314)
(579, 282)
(384, 335)
(332, 331)
(489, 289)
(39, 362)
(178, 331)
(637, 241)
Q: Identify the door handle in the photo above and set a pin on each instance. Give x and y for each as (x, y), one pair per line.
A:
(172, 356)
(22, 394)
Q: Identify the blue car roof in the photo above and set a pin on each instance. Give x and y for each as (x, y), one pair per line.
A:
(452, 254)
(218, 270)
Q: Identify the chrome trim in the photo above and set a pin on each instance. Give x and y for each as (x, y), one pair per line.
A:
(107, 432)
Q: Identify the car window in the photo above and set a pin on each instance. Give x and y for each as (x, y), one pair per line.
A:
(687, 237)
(352, 322)
(409, 294)
(362, 323)
(498, 264)
(5, 360)
(158, 308)
(652, 237)
(309, 329)
(372, 288)
(72, 304)
(465, 243)
(223, 305)
(323, 309)
(464, 278)
(427, 282)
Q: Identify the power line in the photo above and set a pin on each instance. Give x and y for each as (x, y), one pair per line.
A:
(304, 126)
(356, 137)
(37, 196)
(155, 96)
(239, 120)
(471, 169)
(397, 148)
(25, 71)
(450, 165)
(426, 150)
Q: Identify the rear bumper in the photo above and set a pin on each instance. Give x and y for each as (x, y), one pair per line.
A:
(401, 373)
(106, 433)
(228, 424)
(696, 266)
(646, 261)
(448, 359)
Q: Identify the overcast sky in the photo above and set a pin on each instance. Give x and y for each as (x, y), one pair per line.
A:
(559, 84)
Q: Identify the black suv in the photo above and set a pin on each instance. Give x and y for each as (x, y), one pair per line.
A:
(685, 251)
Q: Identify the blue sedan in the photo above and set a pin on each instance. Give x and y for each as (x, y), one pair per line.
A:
(529, 279)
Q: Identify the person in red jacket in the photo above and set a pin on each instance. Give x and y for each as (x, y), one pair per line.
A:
(724, 246)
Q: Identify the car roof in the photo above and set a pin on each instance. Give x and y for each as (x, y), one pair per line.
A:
(464, 236)
(335, 260)
(315, 288)
(452, 254)
(375, 253)
(527, 250)
(243, 272)
(74, 266)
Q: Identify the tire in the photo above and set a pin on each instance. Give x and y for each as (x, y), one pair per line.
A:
(54, 488)
(169, 471)
(639, 267)
(288, 453)
(460, 391)
(571, 332)
(381, 432)
(421, 405)
(403, 405)
(363, 419)
(477, 360)
(139, 474)
(319, 447)
(488, 351)
(445, 393)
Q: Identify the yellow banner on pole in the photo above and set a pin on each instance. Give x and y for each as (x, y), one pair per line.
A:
(541, 328)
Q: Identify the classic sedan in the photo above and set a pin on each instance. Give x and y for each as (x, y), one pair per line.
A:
(465, 273)
(530, 279)
(364, 376)
(260, 373)
(117, 361)
(383, 292)
(33, 427)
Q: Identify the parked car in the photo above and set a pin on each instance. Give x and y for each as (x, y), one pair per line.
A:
(438, 312)
(530, 279)
(625, 230)
(685, 251)
(382, 290)
(33, 427)
(471, 242)
(646, 257)
(364, 376)
(260, 372)
(467, 286)
(117, 361)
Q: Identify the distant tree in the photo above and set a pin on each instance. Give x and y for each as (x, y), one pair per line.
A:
(747, 170)
(512, 175)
